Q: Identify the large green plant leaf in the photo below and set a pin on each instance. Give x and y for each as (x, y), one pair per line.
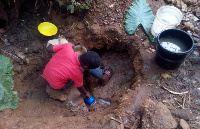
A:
(8, 98)
(139, 13)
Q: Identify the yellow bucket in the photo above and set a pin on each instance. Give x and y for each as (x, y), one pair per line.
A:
(47, 29)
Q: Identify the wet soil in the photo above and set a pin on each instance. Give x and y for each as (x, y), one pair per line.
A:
(136, 75)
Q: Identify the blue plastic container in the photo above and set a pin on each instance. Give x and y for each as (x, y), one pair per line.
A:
(90, 101)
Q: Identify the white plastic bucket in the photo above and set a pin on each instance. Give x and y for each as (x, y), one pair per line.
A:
(167, 17)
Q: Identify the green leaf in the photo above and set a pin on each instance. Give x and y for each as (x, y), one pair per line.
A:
(8, 98)
(78, 4)
(139, 13)
(87, 0)
(155, 76)
(71, 8)
(86, 7)
(81, 7)
(72, 1)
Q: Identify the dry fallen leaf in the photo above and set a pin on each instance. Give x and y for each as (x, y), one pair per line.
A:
(152, 50)
(166, 75)
(147, 50)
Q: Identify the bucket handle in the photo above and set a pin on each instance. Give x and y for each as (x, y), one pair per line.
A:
(172, 60)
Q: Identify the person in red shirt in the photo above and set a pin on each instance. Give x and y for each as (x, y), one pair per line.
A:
(66, 66)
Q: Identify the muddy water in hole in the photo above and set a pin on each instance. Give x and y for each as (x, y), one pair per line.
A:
(121, 65)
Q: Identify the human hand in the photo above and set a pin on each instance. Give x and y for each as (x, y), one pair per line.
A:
(88, 95)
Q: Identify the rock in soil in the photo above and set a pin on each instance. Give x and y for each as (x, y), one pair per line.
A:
(197, 45)
(183, 124)
(190, 26)
(195, 60)
(2, 30)
(74, 101)
(156, 116)
(185, 114)
(63, 95)
(190, 2)
(197, 12)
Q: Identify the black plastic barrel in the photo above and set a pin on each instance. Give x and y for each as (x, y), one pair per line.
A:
(172, 60)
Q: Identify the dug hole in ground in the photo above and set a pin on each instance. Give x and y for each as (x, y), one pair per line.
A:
(139, 95)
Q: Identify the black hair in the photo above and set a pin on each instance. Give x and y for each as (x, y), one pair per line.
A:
(91, 59)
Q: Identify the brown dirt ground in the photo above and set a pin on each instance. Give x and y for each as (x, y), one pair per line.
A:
(102, 30)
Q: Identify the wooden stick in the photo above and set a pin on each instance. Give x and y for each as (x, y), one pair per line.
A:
(184, 101)
(178, 103)
(173, 92)
(112, 118)
(36, 4)
(189, 96)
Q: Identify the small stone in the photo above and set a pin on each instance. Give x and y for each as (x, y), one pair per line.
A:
(184, 124)
(189, 25)
(193, 81)
(197, 13)
(183, 6)
(196, 40)
(121, 126)
(196, 53)
(197, 118)
(195, 35)
(17, 68)
(27, 60)
(190, 2)
(185, 114)
(195, 18)
(112, 5)
(26, 50)
(2, 30)
(192, 17)
(80, 26)
(146, 43)
(199, 101)
(197, 45)
(21, 55)
(156, 115)
(95, 21)
(170, 1)
(195, 60)
(184, 78)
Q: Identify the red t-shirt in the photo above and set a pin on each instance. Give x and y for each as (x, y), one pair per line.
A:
(64, 65)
